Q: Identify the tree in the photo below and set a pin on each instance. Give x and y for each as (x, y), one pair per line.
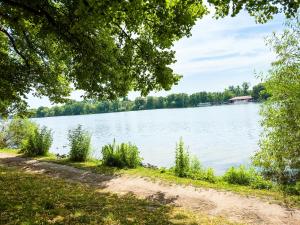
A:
(150, 102)
(106, 48)
(140, 103)
(259, 92)
(279, 155)
(245, 87)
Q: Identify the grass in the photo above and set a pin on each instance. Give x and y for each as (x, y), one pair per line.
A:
(38, 199)
(9, 150)
(273, 195)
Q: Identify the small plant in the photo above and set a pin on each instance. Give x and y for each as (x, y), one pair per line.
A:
(3, 136)
(293, 189)
(38, 142)
(182, 160)
(238, 175)
(243, 176)
(210, 175)
(123, 155)
(197, 172)
(258, 182)
(190, 166)
(80, 143)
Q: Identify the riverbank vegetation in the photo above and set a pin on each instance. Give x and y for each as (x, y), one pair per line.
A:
(279, 155)
(38, 142)
(180, 100)
(80, 144)
(124, 155)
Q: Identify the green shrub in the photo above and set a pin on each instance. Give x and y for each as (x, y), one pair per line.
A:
(195, 165)
(123, 155)
(190, 166)
(80, 143)
(293, 189)
(182, 160)
(244, 176)
(14, 132)
(210, 175)
(258, 182)
(238, 175)
(3, 136)
(38, 142)
(197, 172)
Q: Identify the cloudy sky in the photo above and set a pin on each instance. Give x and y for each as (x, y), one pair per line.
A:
(220, 53)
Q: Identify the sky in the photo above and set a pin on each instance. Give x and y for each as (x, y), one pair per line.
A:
(219, 53)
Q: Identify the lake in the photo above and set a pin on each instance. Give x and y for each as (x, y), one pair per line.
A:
(220, 136)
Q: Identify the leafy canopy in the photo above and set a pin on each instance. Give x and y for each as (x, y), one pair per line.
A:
(106, 48)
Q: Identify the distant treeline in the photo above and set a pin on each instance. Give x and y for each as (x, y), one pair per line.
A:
(180, 100)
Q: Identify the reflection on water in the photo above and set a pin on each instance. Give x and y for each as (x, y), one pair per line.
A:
(220, 136)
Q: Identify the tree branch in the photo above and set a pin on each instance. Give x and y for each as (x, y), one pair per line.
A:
(12, 41)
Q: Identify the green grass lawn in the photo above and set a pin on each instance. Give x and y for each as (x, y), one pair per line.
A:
(273, 195)
(38, 199)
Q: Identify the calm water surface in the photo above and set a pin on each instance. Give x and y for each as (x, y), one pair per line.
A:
(220, 136)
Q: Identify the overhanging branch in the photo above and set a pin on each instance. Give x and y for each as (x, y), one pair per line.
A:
(12, 41)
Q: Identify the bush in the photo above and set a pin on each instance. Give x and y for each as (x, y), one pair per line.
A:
(15, 131)
(3, 136)
(244, 176)
(123, 155)
(190, 166)
(197, 172)
(210, 175)
(182, 160)
(80, 143)
(293, 189)
(38, 142)
(258, 182)
(238, 175)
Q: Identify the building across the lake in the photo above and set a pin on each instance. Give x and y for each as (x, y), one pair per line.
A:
(241, 99)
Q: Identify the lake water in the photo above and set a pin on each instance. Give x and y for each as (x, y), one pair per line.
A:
(220, 136)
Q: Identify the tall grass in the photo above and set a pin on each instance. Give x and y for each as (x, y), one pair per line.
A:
(80, 143)
(190, 166)
(123, 155)
(38, 142)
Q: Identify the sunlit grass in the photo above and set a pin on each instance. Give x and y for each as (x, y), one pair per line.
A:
(38, 199)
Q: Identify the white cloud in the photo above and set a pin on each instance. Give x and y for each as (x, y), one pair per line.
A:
(226, 44)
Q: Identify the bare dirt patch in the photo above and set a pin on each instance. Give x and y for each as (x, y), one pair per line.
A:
(238, 208)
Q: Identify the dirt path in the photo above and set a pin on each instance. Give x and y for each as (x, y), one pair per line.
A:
(232, 206)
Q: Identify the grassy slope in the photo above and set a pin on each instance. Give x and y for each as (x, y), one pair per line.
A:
(273, 195)
(37, 199)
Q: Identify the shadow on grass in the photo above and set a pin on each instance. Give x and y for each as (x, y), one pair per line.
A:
(38, 199)
(65, 169)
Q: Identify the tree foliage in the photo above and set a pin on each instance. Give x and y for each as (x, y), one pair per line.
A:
(279, 156)
(180, 100)
(14, 132)
(106, 48)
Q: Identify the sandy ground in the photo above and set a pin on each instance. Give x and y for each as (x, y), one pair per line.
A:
(235, 207)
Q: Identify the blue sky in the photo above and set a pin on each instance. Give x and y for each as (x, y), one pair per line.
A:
(218, 54)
